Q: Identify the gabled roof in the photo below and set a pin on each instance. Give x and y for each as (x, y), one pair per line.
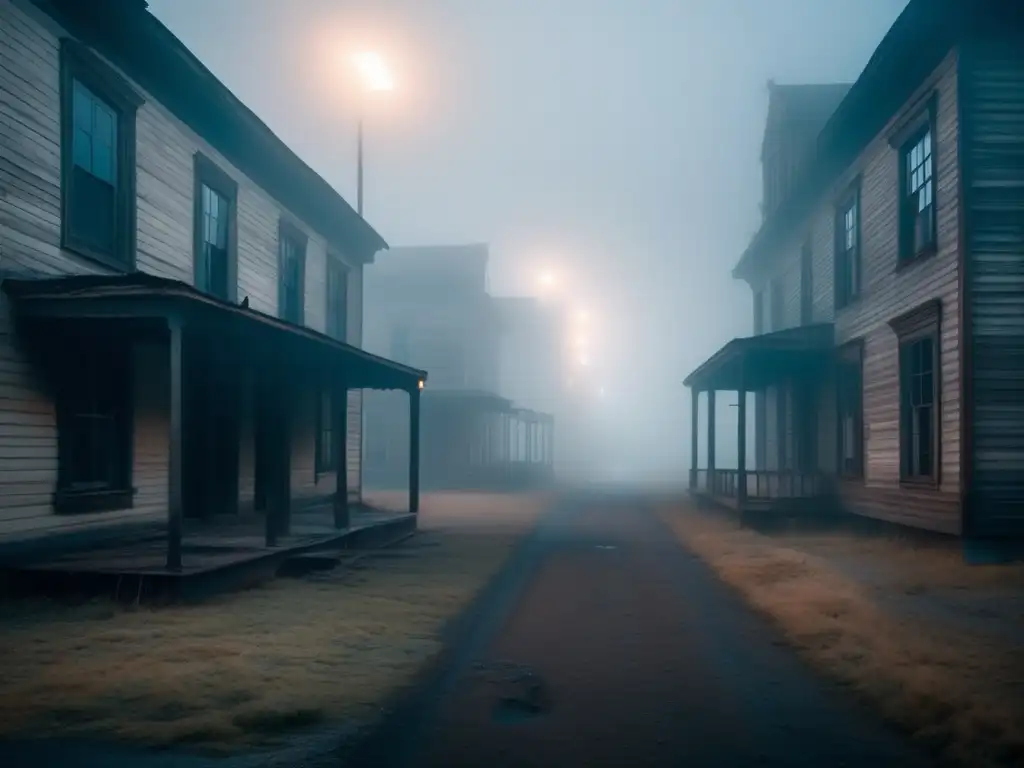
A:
(801, 108)
(148, 52)
(913, 47)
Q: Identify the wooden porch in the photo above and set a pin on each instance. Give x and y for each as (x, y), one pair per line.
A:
(216, 365)
(472, 440)
(794, 360)
(219, 554)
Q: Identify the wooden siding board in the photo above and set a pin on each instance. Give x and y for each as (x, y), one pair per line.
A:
(30, 243)
(886, 293)
(993, 89)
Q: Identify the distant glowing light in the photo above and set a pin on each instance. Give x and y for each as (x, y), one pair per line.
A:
(547, 279)
(373, 71)
(582, 315)
(584, 361)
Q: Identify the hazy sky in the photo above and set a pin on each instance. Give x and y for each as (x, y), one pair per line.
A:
(616, 140)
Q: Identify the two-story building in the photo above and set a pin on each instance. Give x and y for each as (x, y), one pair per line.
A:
(888, 283)
(429, 307)
(180, 320)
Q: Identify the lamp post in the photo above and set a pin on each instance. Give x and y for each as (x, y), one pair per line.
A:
(375, 77)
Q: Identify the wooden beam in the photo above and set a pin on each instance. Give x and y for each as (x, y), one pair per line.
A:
(175, 491)
(741, 443)
(694, 444)
(414, 451)
(711, 441)
(339, 411)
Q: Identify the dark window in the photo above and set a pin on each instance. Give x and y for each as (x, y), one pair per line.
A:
(850, 401)
(215, 235)
(917, 211)
(918, 385)
(847, 264)
(758, 313)
(401, 347)
(918, 333)
(97, 159)
(337, 298)
(776, 305)
(325, 433)
(806, 285)
(94, 429)
(292, 276)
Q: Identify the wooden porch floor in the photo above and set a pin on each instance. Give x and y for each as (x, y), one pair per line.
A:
(217, 555)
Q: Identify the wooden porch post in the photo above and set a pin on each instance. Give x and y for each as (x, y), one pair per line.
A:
(283, 399)
(694, 418)
(711, 443)
(175, 491)
(741, 443)
(414, 451)
(339, 412)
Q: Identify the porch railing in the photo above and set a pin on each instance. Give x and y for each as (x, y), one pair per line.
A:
(761, 484)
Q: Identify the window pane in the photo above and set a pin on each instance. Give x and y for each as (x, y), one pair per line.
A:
(81, 149)
(93, 211)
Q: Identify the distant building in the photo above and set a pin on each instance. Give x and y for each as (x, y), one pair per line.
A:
(429, 306)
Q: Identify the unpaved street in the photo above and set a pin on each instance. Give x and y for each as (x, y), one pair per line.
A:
(609, 645)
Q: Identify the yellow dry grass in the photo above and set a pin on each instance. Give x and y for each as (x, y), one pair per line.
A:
(959, 693)
(245, 669)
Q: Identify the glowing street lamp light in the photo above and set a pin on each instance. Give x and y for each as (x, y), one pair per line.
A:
(376, 77)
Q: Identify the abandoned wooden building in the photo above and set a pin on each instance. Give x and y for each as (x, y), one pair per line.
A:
(180, 320)
(886, 369)
(429, 307)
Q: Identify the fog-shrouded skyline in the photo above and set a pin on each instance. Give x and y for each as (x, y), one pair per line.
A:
(617, 142)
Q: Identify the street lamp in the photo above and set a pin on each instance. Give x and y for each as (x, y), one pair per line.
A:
(375, 77)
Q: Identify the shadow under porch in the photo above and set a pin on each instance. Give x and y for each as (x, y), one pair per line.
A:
(787, 375)
(226, 383)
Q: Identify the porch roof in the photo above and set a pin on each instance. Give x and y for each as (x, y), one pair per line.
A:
(143, 296)
(755, 362)
(477, 398)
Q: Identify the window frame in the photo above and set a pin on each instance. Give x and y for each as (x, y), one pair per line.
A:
(921, 323)
(333, 318)
(908, 137)
(324, 451)
(208, 173)
(288, 230)
(776, 305)
(117, 360)
(850, 354)
(758, 312)
(77, 62)
(845, 294)
(806, 283)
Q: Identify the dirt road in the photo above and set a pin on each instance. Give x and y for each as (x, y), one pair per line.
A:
(606, 644)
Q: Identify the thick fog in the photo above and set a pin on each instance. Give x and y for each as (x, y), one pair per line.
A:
(613, 143)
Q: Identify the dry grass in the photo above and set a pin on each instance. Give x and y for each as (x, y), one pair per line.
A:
(958, 692)
(248, 668)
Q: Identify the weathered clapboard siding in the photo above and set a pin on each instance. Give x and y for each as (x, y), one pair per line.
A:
(30, 243)
(992, 94)
(888, 293)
